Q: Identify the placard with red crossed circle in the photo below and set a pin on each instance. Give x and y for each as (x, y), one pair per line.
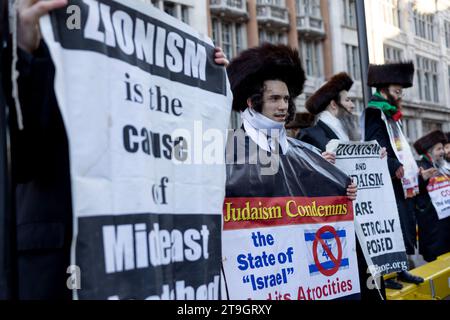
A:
(337, 261)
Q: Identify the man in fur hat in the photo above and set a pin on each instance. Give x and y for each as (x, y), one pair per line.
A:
(382, 121)
(265, 81)
(434, 234)
(333, 110)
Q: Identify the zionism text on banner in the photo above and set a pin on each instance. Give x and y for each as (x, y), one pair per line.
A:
(290, 235)
(376, 216)
(439, 190)
(140, 95)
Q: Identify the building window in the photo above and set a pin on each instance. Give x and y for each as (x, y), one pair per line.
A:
(447, 33)
(176, 10)
(169, 8)
(229, 36)
(226, 39)
(410, 128)
(215, 31)
(184, 14)
(349, 13)
(238, 39)
(353, 63)
(427, 77)
(429, 126)
(308, 8)
(391, 12)
(424, 26)
(448, 69)
(272, 36)
(278, 3)
(392, 54)
(312, 55)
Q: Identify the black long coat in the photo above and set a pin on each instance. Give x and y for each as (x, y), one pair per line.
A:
(434, 234)
(375, 129)
(318, 135)
(40, 161)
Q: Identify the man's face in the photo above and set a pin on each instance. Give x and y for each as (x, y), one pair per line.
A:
(346, 102)
(275, 100)
(395, 95)
(447, 152)
(348, 120)
(437, 152)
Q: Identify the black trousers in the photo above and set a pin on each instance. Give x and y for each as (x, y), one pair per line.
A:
(42, 274)
(406, 213)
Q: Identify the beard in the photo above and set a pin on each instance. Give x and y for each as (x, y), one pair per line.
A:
(447, 157)
(446, 167)
(349, 122)
(394, 102)
(442, 165)
(440, 162)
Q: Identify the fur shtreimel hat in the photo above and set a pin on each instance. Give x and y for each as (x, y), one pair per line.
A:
(248, 71)
(427, 142)
(322, 97)
(383, 75)
(301, 120)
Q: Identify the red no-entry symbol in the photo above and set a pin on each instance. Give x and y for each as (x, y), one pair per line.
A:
(337, 261)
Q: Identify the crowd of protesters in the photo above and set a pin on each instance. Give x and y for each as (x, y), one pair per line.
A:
(265, 82)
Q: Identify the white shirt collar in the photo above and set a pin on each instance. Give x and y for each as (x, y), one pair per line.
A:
(334, 124)
(264, 132)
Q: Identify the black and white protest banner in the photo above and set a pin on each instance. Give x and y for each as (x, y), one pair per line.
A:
(142, 100)
(377, 222)
(290, 235)
(439, 190)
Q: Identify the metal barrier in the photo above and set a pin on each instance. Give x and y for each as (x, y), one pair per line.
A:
(435, 287)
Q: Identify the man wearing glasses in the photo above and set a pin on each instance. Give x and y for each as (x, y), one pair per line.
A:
(383, 123)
